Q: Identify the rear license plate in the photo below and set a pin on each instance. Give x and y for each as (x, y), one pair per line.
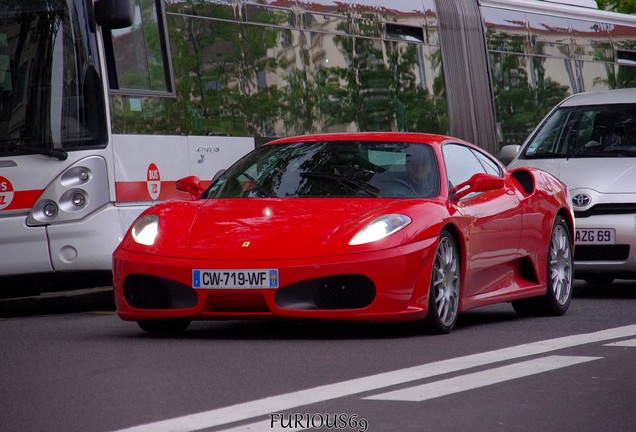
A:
(595, 236)
(231, 278)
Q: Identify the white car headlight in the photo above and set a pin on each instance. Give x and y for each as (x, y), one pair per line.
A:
(145, 229)
(380, 228)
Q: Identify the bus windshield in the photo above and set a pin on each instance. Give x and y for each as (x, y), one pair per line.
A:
(51, 95)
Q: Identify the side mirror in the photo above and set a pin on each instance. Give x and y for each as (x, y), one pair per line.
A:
(480, 182)
(191, 185)
(508, 153)
(114, 14)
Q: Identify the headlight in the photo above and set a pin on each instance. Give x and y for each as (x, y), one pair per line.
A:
(380, 228)
(145, 229)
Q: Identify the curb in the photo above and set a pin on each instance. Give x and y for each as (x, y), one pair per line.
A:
(80, 300)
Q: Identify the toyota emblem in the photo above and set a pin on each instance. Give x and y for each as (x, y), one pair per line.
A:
(581, 200)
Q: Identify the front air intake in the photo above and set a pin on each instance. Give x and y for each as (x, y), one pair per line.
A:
(151, 292)
(331, 292)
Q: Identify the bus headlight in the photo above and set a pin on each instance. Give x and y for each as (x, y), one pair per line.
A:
(145, 229)
(78, 191)
(49, 209)
(83, 176)
(79, 199)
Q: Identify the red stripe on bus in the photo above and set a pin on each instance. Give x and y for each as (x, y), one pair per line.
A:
(23, 199)
(138, 191)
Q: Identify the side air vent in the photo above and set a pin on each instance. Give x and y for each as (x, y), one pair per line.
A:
(525, 179)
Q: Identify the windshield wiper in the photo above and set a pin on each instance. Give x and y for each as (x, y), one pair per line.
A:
(14, 144)
(257, 186)
(348, 182)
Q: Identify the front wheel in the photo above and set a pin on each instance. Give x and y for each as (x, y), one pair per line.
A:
(443, 302)
(556, 300)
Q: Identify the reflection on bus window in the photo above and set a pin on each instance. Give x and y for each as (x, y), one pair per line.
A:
(50, 89)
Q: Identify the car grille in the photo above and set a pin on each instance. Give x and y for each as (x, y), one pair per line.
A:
(607, 209)
(601, 252)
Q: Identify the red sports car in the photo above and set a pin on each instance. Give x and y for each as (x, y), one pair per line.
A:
(363, 226)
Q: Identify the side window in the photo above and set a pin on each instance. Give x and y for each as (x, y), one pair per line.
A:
(489, 165)
(461, 163)
(138, 56)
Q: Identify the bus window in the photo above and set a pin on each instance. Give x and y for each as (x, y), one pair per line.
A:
(139, 62)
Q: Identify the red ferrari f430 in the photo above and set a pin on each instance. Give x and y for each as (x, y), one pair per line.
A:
(352, 226)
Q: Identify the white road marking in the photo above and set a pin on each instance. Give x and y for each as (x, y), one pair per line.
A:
(279, 403)
(481, 379)
(446, 387)
(631, 343)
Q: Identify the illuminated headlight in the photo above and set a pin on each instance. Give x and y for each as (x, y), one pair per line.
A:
(145, 229)
(380, 228)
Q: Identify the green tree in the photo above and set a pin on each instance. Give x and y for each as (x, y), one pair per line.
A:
(622, 6)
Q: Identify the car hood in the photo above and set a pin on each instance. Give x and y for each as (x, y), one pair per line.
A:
(254, 229)
(604, 175)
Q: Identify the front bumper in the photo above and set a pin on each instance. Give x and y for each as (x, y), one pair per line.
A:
(386, 285)
(618, 258)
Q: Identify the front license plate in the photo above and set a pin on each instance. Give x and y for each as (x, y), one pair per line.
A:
(231, 278)
(595, 236)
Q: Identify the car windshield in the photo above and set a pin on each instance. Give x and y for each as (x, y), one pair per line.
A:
(589, 131)
(331, 169)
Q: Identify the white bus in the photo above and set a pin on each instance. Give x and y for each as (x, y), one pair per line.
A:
(105, 103)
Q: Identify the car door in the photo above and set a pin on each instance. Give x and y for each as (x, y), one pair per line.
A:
(492, 219)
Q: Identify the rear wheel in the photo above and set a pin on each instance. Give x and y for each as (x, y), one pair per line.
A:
(556, 300)
(164, 327)
(443, 302)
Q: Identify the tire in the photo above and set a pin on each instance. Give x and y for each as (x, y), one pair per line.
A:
(164, 327)
(444, 291)
(556, 300)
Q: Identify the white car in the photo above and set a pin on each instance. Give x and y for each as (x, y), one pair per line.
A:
(589, 142)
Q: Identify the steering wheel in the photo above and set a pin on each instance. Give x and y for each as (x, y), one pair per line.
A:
(396, 186)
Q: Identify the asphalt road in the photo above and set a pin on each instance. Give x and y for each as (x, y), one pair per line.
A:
(88, 371)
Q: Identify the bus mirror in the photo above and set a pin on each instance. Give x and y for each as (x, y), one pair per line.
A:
(114, 14)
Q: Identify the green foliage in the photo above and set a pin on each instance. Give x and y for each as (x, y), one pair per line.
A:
(622, 6)
(252, 80)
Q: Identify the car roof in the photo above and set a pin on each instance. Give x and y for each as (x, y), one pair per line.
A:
(416, 137)
(620, 96)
